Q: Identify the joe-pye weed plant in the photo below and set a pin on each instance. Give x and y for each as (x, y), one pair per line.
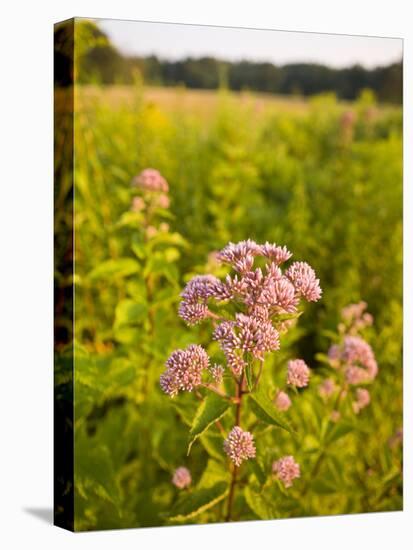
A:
(249, 312)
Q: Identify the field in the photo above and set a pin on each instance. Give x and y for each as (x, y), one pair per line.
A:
(323, 178)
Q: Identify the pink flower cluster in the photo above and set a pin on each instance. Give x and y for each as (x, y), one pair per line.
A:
(356, 358)
(151, 180)
(182, 477)
(246, 334)
(239, 445)
(193, 308)
(327, 388)
(155, 189)
(184, 370)
(286, 469)
(282, 401)
(298, 374)
(355, 318)
(263, 293)
(362, 400)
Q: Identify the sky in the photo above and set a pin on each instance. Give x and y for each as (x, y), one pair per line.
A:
(173, 41)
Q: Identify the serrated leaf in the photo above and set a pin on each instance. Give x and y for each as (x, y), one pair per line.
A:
(264, 410)
(196, 502)
(209, 411)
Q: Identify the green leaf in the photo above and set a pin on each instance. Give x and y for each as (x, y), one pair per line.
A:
(120, 267)
(264, 410)
(214, 472)
(130, 312)
(198, 501)
(323, 487)
(184, 407)
(209, 411)
(257, 470)
(338, 431)
(258, 504)
(213, 444)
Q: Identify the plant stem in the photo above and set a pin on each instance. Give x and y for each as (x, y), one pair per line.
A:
(234, 468)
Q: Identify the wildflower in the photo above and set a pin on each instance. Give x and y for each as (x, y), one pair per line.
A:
(335, 416)
(355, 316)
(245, 334)
(334, 355)
(298, 374)
(280, 294)
(304, 280)
(360, 363)
(239, 445)
(217, 372)
(327, 388)
(286, 469)
(275, 253)
(193, 314)
(240, 255)
(200, 287)
(182, 477)
(184, 370)
(282, 401)
(362, 400)
(163, 201)
(138, 204)
(193, 308)
(151, 180)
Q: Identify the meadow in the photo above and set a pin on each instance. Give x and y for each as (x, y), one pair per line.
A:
(320, 176)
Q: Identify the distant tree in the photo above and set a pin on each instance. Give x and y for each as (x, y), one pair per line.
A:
(97, 60)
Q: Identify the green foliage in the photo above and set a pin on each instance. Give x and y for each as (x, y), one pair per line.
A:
(237, 168)
(265, 411)
(211, 409)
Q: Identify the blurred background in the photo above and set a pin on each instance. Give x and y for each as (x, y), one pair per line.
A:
(294, 138)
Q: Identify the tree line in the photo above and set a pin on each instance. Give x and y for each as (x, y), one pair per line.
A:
(101, 62)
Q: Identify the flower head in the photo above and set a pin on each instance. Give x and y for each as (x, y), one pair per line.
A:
(282, 401)
(151, 180)
(327, 388)
(184, 370)
(304, 280)
(240, 255)
(298, 374)
(276, 254)
(286, 469)
(245, 334)
(217, 373)
(362, 400)
(356, 318)
(193, 308)
(163, 201)
(239, 445)
(182, 477)
(280, 293)
(359, 360)
(138, 204)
